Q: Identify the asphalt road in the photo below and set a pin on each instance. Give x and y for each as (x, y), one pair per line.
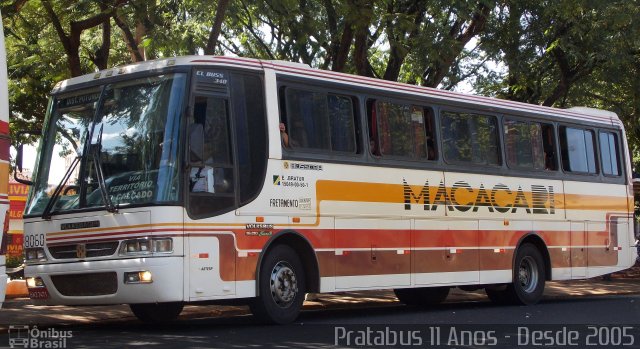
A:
(611, 320)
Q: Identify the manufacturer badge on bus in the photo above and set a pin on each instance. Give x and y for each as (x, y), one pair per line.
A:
(81, 251)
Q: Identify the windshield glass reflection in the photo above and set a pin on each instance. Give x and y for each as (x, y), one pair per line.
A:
(138, 125)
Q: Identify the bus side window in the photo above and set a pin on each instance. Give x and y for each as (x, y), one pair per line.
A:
(578, 152)
(528, 145)
(470, 138)
(401, 130)
(609, 151)
(318, 121)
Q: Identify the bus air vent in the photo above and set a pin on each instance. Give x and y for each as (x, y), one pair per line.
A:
(210, 88)
(82, 285)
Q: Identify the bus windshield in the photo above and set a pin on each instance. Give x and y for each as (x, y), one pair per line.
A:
(132, 155)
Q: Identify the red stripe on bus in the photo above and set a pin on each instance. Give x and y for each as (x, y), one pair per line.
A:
(5, 143)
(362, 238)
(4, 127)
(111, 234)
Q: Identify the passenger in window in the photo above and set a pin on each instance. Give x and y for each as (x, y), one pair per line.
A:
(283, 135)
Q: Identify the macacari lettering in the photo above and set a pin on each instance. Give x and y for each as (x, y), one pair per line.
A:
(463, 197)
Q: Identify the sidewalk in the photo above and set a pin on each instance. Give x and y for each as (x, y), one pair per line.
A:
(22, 312)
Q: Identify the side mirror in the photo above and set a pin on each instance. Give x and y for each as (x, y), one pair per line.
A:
(19, 155)
(196, 144)
(19, 158)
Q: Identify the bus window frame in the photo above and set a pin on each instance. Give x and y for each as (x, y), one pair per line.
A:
(596, 145)
(363, 93)
(500, 138)
(188, 116)
(542, 123)
(407, 103)
(309, 154)
(618, 155)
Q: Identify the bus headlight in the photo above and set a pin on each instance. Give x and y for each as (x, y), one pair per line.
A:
(146, 246)
(135, 246)
(35, 255)
(164, 245)
(138, 277)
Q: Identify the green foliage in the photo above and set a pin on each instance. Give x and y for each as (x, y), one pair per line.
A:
(14, 262)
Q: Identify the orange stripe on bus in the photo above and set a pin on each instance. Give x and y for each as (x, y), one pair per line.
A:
(4, 174)
(328, 190)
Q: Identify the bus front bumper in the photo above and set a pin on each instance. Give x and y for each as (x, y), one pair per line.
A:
(124, 281)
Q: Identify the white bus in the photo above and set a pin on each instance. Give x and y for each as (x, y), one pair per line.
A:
(200, 178)
(5, 142)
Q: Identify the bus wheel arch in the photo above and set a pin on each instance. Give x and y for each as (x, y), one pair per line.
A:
(306, 253)
(285, 272)
(531, 268)
(301, 245)
(538, 242)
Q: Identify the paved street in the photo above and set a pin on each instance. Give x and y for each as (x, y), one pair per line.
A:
(318, 328)
(340, 318)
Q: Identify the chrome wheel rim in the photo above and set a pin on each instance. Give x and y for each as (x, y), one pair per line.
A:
(283, 284)
(528, 274)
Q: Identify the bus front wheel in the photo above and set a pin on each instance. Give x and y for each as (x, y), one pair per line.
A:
(528, 279)
(282, 287)
(422, 296)
(157, 312)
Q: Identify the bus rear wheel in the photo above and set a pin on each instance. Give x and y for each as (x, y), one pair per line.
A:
(157, 312)
(528, 279)
(422, 296)
(282, 287)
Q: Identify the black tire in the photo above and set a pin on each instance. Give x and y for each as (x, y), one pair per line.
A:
(529, 276)
(282, 287)
(423, 296)
(157, 312)
(498, 294)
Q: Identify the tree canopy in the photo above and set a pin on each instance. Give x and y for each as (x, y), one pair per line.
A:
(555, 53)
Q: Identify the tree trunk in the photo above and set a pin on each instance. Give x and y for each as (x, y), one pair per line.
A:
(221, 10)
(131, 41)
(361, 43)
(71, 41)
(101, 56)
(436, 72)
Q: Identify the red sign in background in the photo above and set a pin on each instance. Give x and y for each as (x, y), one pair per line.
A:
(17, 199)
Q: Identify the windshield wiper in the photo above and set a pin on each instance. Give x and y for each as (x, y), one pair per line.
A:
(46, 214)
(95, 151)
(97, 162)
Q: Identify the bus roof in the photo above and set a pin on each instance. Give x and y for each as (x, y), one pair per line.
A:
(580, 114)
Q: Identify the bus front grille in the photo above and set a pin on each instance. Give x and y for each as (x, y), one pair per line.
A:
(79, 285)
(96, 249)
